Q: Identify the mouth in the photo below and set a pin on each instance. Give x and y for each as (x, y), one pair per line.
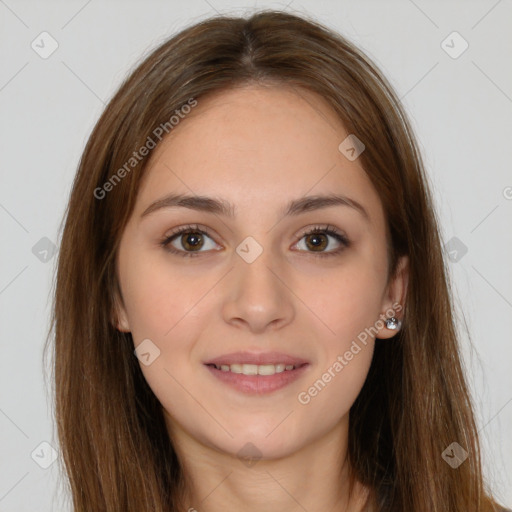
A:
(256, 369)
(257, 358)
(257, 373)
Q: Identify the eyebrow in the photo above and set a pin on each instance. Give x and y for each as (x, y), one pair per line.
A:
(223, 207)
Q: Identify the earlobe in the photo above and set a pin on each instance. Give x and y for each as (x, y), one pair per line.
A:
(119, 317)
(394, 303)
(120, 322)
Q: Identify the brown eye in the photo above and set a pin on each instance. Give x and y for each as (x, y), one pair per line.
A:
(192, 240)
(317, 241)
(187, 241)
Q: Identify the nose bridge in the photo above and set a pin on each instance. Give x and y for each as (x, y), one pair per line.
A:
(259, 295)
(256, 266)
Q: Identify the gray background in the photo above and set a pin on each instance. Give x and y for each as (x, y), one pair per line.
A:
(460, 109)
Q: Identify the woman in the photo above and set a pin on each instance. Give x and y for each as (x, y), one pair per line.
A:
(252, 310)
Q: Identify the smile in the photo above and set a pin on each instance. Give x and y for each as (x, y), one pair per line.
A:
(255, 369)
(257, 379)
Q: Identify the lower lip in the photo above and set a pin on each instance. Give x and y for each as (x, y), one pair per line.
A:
(258, 384)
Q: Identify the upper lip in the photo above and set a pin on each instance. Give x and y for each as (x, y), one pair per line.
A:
(257, 358)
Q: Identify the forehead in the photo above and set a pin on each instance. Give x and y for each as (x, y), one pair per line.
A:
(257, 145)
(266, 123)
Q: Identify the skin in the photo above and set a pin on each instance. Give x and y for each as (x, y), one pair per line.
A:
(258, 148)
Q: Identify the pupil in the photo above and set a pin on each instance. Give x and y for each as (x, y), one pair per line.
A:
(196, 240)
(318, 242)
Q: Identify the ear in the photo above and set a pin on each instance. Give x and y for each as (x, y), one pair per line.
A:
(119, 317)
(393, 302)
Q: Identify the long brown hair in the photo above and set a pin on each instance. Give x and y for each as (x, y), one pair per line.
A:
(415, 402)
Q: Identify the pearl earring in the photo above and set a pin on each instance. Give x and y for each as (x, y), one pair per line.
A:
(393, 323)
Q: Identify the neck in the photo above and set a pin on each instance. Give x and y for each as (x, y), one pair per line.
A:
(315, 477)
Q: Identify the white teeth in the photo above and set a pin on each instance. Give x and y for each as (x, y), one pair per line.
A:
(250, 369)
(266, 369)
(255, 369)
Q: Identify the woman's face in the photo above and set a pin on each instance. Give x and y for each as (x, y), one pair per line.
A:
(247, 280)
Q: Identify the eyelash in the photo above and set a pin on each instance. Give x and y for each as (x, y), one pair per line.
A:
(195, 228)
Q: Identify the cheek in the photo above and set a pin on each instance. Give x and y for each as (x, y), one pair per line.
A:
(348, 300)
(350, 308)
(157, 297)
(331, 392)
(348, 304)
(164, 306)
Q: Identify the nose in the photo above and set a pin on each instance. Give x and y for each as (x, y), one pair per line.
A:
(257, 295)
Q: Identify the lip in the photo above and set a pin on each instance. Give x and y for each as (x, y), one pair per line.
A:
(258, 384)
(257, 358)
